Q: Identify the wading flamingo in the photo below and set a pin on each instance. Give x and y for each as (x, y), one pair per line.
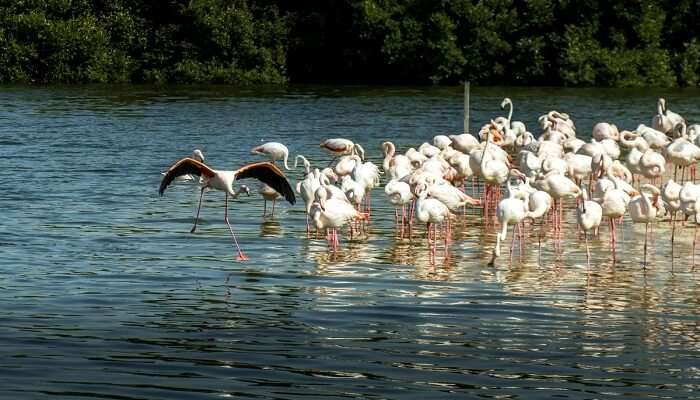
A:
(222, 180)
(274, 150)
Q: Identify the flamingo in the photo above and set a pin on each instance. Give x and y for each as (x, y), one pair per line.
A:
(428, 150)
(306, 189)
(268, 194)
(670, 193)
(665, 120)
(307, 164)
(274, 150)
(346, 164)
(417, 158)
(464, 142)
(460, 162)
(528, 163)
(341, 146)
(652, 164)
(689, 196)
(633, 140)
(399, 194)
(494, 171)
(396, 165)
(655, 138)
(517, 126)
(588, 215)
(578, 166)
(559, 187)
(510, 210)
(431, 212)
(442, 142)
(452, 197)
(614, 204)
(572, 145)
(681, 152)
(644, 209)
(331, 214)
(367, 175)
(526, 141)
(223, 180)
(604, 130)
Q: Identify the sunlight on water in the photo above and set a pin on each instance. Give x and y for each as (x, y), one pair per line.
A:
(106, 294)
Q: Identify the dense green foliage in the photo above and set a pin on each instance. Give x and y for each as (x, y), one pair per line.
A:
(534, 42)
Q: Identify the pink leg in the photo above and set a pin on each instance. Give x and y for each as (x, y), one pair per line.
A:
(447, 237)
(430, 246)
(199, 207)
(369, 204)
(695, 236)
(241, 256)
(434, 238)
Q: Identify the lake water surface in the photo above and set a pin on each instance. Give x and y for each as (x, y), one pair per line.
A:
(104, 293)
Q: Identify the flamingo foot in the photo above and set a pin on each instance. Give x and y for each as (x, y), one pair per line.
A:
(242, 257)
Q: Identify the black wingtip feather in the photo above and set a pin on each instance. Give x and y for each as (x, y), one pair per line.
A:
(269, 174)
(184, 166)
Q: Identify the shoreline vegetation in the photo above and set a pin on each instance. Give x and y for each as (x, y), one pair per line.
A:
(641, 43)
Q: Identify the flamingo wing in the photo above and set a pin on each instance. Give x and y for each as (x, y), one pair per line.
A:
(268, 173)
(183, 167)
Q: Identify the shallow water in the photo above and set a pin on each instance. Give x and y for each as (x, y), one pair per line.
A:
(106, 294)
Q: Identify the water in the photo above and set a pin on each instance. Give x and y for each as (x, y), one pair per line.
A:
(106, 294)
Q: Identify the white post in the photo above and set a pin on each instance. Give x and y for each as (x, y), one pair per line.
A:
(466, 107)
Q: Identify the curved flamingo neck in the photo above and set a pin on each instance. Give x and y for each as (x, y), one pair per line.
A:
(389, 152)
(286, 157)
(483, 153)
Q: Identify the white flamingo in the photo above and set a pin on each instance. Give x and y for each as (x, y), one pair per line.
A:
(464, 142)
(397, 166)
(432, 212)
(511, 210)
(681, 152)
(306, 189)
(331, 214)
(274, 151)
(645, 208)
(690, 197)
(604, 130)
(665, 120)
(452, 197)
(399, 194)
(652, 165)
(614, 204)
(589, 214)
(655, 138)
(342, 146)
(670, 193)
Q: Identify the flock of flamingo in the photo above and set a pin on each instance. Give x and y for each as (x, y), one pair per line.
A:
(615, 173)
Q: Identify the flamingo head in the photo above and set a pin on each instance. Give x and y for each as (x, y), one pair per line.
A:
(258, 150)
(505, 102)
(244, 189)
(198, 155)
(420, 189)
